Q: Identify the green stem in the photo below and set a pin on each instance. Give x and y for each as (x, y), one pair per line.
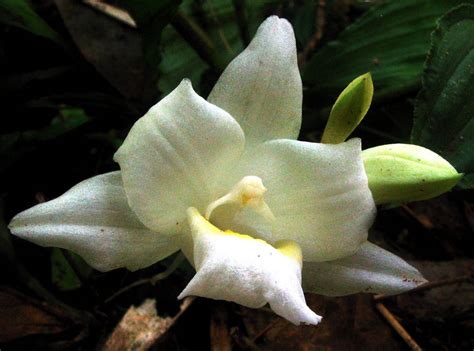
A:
(198, 40)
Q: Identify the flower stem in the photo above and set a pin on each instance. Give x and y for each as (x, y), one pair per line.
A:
(152, 280)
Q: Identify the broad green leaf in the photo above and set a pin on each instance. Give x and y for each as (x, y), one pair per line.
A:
(349, 110)
(62, 274)
(444, 109)
(402, 173)
(390, 40)
(19, 13)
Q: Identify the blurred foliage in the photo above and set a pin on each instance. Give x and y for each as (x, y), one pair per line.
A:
(20, 14)
(444, 110)
(14, 145)
(390, 41)
(63, 275)
(151, 17)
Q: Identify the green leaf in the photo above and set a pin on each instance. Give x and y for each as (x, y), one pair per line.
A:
(151, 17)
(444, 109)
(69, 119)
(402, 173)
(62, 274)
(19, 13)
(349, 110)
(390, 40)
(14, 146)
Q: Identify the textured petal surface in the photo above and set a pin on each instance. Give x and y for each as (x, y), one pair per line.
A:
(248, 271)
(261, 88)
(174, 156)
(372, 269)
(318, 194)
(93, 219)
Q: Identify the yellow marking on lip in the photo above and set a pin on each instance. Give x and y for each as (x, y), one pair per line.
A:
(245, 199)
(197, 221)
(290, 249)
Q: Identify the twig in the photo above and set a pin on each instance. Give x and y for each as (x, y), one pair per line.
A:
(320, 22)
(184, 25)
(111, 11)
(197, 39)
(429, 285)
(217, 25)
(267, 328)
(243, 341)
(390, 318)
(219, 330)
(152, 280)
(423, 220)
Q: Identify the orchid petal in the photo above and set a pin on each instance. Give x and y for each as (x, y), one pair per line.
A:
(318, 193)
(175, 155)
(371, 269)
(261, 88)
(239, 268)
(93, 219)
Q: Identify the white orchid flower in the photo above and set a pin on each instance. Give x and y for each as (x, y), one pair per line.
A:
(256, 212)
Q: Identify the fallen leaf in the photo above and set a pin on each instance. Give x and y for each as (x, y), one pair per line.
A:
(141, 327)
(24, 316)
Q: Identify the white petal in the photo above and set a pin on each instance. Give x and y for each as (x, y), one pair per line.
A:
(174, 156)
(261, 88)
(93, 219)
(248, 271)
(318, 194)
(372, 269)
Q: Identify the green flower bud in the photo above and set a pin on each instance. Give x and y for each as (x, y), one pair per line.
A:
(349, 110)
(403, 172)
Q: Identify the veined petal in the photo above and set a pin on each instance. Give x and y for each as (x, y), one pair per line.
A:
(93, 219)
(174, 156)
(261, 88)
(318, 193)
(371, 269)
(248, 271)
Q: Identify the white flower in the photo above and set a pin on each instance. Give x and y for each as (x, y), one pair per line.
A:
(195, 173)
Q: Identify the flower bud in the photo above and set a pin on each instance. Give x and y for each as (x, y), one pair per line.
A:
(403, 172)
(349, 110)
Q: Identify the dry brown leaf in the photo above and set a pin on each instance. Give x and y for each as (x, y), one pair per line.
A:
(24, 316)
